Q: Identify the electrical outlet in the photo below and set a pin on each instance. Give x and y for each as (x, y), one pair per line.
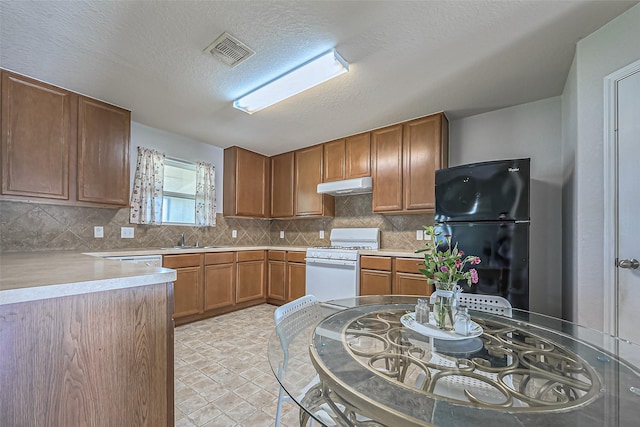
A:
(321, 234)
(281, 234)
(426, 235)
(126, 232)
(419, 235)
(98, 232)
(234, 234)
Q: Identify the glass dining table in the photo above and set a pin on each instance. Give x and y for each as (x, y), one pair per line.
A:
(365, 362)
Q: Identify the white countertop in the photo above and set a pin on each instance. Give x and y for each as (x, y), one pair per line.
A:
(31, 276)
(404, 253)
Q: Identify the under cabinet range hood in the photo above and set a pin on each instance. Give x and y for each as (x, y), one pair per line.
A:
(346, 187)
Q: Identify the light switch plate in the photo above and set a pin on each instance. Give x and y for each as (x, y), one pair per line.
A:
(419, 235)
(126, 232)
(426, 235)
(321, 234)
(234, 234)
(281, 234)
(98, 232)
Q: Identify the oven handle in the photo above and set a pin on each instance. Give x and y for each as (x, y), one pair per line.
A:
(317, 261)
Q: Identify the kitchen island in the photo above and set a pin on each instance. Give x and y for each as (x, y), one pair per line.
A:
(85, 341)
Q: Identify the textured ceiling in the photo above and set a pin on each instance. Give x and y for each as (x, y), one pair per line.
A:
(407, 59)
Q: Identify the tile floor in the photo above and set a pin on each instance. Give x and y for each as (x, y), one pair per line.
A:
(222, 375)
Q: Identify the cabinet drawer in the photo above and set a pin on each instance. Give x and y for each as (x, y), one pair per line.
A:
(219, 258)
(177, 261)
(278, 255)
(409, 265)
(250, 256)
(375, 263)
(296, 256)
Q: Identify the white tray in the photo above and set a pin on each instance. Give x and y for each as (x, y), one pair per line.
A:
(431, 330)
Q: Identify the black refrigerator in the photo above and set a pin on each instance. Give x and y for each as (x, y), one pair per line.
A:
(485, 208)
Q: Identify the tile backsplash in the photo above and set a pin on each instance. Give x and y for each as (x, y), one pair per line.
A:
(39, 227)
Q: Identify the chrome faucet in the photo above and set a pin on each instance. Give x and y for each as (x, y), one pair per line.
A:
(182, 239)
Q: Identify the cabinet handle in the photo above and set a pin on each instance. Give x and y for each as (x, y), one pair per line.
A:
(632, 264)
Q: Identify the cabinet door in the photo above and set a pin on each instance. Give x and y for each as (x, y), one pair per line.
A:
(277, 280)
(411, 284)
(358, 156)
(422, 156)
(219, 286)
(38, 131)
(308, 174)
(250, 281)
(373, 282)
(296, 281)
(103, 152)
(246, 183)
(334, 160)
(386, 147)
(282, 185)
(186, 292)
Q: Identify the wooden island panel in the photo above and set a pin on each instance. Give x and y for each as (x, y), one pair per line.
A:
(96, 359)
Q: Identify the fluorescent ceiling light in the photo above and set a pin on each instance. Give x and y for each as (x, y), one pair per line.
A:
(307, 75)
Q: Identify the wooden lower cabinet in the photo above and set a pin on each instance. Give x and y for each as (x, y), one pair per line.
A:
(219, 280)
(407, 278)
(188, 285)
(375, 275)
(296, 275)
(250, 276)
(276, 277)
(380, 275)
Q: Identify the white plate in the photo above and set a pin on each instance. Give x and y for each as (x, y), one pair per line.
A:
(431, 330)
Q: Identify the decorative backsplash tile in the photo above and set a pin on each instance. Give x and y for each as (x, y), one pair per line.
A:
(40, 227)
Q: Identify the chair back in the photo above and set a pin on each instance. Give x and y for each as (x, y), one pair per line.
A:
(488, 303)
(293, 317)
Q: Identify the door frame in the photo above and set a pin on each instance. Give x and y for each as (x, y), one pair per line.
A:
(610, 174)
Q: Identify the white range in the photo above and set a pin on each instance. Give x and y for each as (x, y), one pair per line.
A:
(333, 272)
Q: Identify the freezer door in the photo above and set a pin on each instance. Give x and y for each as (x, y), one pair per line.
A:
(489, 191)
(503, 248)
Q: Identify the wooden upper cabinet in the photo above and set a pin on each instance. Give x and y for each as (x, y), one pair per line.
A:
(282, 185)
(246, 183)
(404, 160)
(62, 146)
(425, 150)
(386, 154)
(103, 152)
(334, 160)
(347, 158)
(358, 156)
(308, 174)
(38, 133)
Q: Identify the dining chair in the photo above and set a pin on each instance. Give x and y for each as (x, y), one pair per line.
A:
(290, 319)
(454, 387)
(487, 303)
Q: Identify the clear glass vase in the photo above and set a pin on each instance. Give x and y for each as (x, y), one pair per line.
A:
(445, 300)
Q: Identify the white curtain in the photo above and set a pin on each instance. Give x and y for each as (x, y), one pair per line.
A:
(146, 198)
(205, 194)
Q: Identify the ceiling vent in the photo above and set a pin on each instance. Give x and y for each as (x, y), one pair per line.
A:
(229, 50)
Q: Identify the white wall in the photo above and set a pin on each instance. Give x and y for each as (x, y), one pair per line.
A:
(606, 50)
(177, 146)
(529, 130)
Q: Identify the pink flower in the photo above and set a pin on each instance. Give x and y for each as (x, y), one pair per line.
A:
(458, 264)
(461, 253)
(474, 275)
(476, 260)
(444, 269)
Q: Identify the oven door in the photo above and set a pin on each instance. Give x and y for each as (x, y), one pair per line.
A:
(329, 279)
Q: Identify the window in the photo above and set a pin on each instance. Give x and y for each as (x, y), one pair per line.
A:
(179, 201)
